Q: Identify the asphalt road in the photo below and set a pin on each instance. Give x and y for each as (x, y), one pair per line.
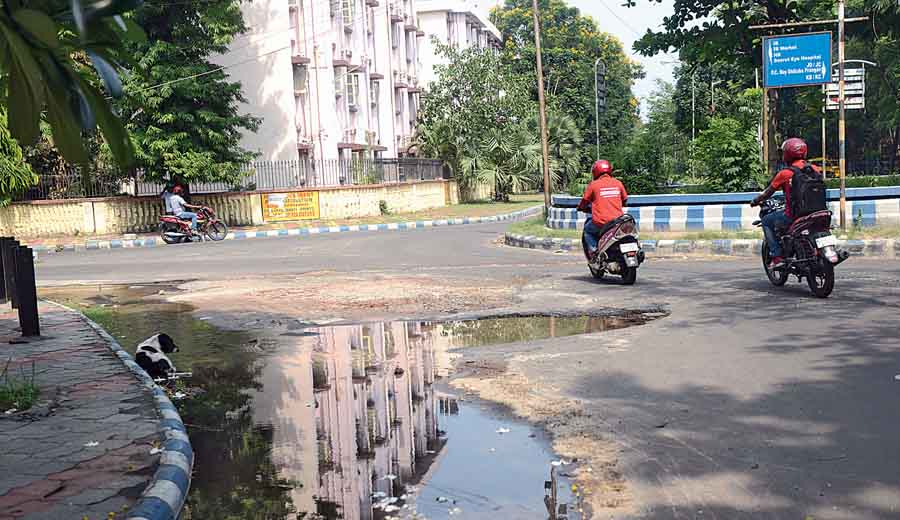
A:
(747, 401)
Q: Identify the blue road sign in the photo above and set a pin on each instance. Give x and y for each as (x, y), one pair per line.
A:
(797, 60)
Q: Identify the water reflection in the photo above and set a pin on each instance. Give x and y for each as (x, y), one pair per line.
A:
(353, 416)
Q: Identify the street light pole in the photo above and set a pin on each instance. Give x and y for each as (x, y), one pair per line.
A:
(842, 129)
(545, 148)
(597, 102)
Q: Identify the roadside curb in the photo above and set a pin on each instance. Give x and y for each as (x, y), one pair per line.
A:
(93, 245)
(884, 248)
(164, 497)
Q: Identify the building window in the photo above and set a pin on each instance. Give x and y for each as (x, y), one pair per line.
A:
(299, 80)
(353, 91)
(395, 36)
(340, 82)
(374, 92)
(348, 12)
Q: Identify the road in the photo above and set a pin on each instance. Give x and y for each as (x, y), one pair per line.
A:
(747, 401)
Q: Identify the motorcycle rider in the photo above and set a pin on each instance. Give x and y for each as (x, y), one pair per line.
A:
(605, 197)
(180, 207)
(794, 152)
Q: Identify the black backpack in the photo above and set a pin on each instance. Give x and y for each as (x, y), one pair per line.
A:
(807, 191)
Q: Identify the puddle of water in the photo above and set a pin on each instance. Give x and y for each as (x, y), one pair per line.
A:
(345, 421)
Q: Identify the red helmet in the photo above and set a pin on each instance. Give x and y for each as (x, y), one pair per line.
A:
(601, 167)
(794, 149)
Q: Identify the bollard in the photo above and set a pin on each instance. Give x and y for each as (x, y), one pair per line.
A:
(8, 258)
(27, 292)
(3, 295)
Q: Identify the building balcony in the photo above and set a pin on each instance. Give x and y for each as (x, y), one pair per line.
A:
(420, 33)
(411, 28)
(372, 3)
(298, 59)
(377, 76)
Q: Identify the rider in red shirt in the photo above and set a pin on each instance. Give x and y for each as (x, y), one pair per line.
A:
(794, 152)
(605, 196)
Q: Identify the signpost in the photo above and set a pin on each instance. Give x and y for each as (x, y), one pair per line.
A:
(797, 60)
(854, 91)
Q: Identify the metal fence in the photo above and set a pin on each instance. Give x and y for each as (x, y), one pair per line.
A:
(259, 175)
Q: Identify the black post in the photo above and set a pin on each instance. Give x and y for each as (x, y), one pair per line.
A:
(8, 257)
(27, 292)
(3, 296)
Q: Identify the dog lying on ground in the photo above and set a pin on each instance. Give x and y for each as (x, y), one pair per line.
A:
(151, 356)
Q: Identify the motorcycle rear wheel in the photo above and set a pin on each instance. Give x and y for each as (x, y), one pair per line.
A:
(779, 277)
(629, 276)
(165, 237)
(216, 230)
(821, 280)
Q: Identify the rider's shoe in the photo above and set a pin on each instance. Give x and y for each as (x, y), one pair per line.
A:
(776, 263)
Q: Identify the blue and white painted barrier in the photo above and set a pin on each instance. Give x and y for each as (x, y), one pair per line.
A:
(727, 211)
(164, 497)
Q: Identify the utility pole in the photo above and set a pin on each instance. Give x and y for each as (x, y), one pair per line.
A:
(597, 64)
(842, 129)
(824, 145)
(545, 149)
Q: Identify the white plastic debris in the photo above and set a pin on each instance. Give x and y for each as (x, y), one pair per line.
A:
(441, 500)
(379, 494)
(897, 377)
(11, 411)
(154, 451)
(389, 477)
(501, 431)
(455, 511)
(560, 462)
(179, 395)
(91, 444)
(391, 509)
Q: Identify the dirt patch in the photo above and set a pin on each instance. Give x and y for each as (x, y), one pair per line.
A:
(326, 294)
(575, 436)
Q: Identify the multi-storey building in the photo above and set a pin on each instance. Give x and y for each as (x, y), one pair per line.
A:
(454, 23)
(331, 79)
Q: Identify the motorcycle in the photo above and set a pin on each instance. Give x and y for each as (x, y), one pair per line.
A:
(174, 230)
(618, 251)
(810, 250)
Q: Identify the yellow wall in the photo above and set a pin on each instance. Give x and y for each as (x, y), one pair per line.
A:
(117, 215)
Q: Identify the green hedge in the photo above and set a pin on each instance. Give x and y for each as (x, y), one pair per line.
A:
(873, 181)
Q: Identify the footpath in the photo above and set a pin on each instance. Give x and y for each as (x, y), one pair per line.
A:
(94, 444)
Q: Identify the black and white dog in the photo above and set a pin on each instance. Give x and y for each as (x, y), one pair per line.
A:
(151, 356)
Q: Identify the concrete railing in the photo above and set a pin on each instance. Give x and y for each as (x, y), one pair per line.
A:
(729, 211)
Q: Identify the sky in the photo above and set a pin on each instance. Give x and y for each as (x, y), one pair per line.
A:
(628, 24)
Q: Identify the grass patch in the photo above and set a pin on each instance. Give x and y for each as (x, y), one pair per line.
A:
(20, 392)
(535, 227)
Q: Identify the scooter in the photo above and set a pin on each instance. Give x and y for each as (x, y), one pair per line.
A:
(619, 251)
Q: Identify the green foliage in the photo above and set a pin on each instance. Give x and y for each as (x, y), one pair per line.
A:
(186, 129)
(46, 53)
(19, 392)
(570, 44)
(475, 117)
(15, 174)
(383, 207)
(727, 156)
(869, 181)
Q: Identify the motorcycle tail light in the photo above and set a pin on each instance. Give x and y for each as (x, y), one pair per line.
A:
(627, 228)
(831, 255)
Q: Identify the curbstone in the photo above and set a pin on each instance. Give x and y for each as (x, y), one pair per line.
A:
(165, 496)
(720, 247)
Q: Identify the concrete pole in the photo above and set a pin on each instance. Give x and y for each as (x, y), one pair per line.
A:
(545, 148)
(824, 145)
(597, 104)
(765, 131)
(842, 127)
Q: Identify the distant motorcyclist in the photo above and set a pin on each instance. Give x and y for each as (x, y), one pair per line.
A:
(605, 197)
(794, 152)
(180, 207)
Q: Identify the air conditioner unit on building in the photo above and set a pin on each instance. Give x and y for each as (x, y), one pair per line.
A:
(304, 140)
(348, 53)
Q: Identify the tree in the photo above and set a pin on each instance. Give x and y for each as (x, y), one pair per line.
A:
(187, 129)
(46, 51)
(729, 156)
(475, 117)
(15, 175)
(571, 43)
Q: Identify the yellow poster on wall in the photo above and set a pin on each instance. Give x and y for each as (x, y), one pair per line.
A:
(297, 205)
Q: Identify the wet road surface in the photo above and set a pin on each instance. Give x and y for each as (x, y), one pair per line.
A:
(746, 402)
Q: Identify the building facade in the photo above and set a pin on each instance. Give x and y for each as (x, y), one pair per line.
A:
(331, 79)
(454, 23)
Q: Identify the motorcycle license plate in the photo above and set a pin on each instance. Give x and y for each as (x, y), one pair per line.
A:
(629, 247)
(830, 240)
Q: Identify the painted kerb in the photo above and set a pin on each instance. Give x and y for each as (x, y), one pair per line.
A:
(883, 248)
(164, 497)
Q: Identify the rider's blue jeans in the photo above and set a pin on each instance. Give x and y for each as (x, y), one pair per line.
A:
(776, 219)
(184, 215)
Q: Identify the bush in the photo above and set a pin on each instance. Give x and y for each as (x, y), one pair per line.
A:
(869, 181)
